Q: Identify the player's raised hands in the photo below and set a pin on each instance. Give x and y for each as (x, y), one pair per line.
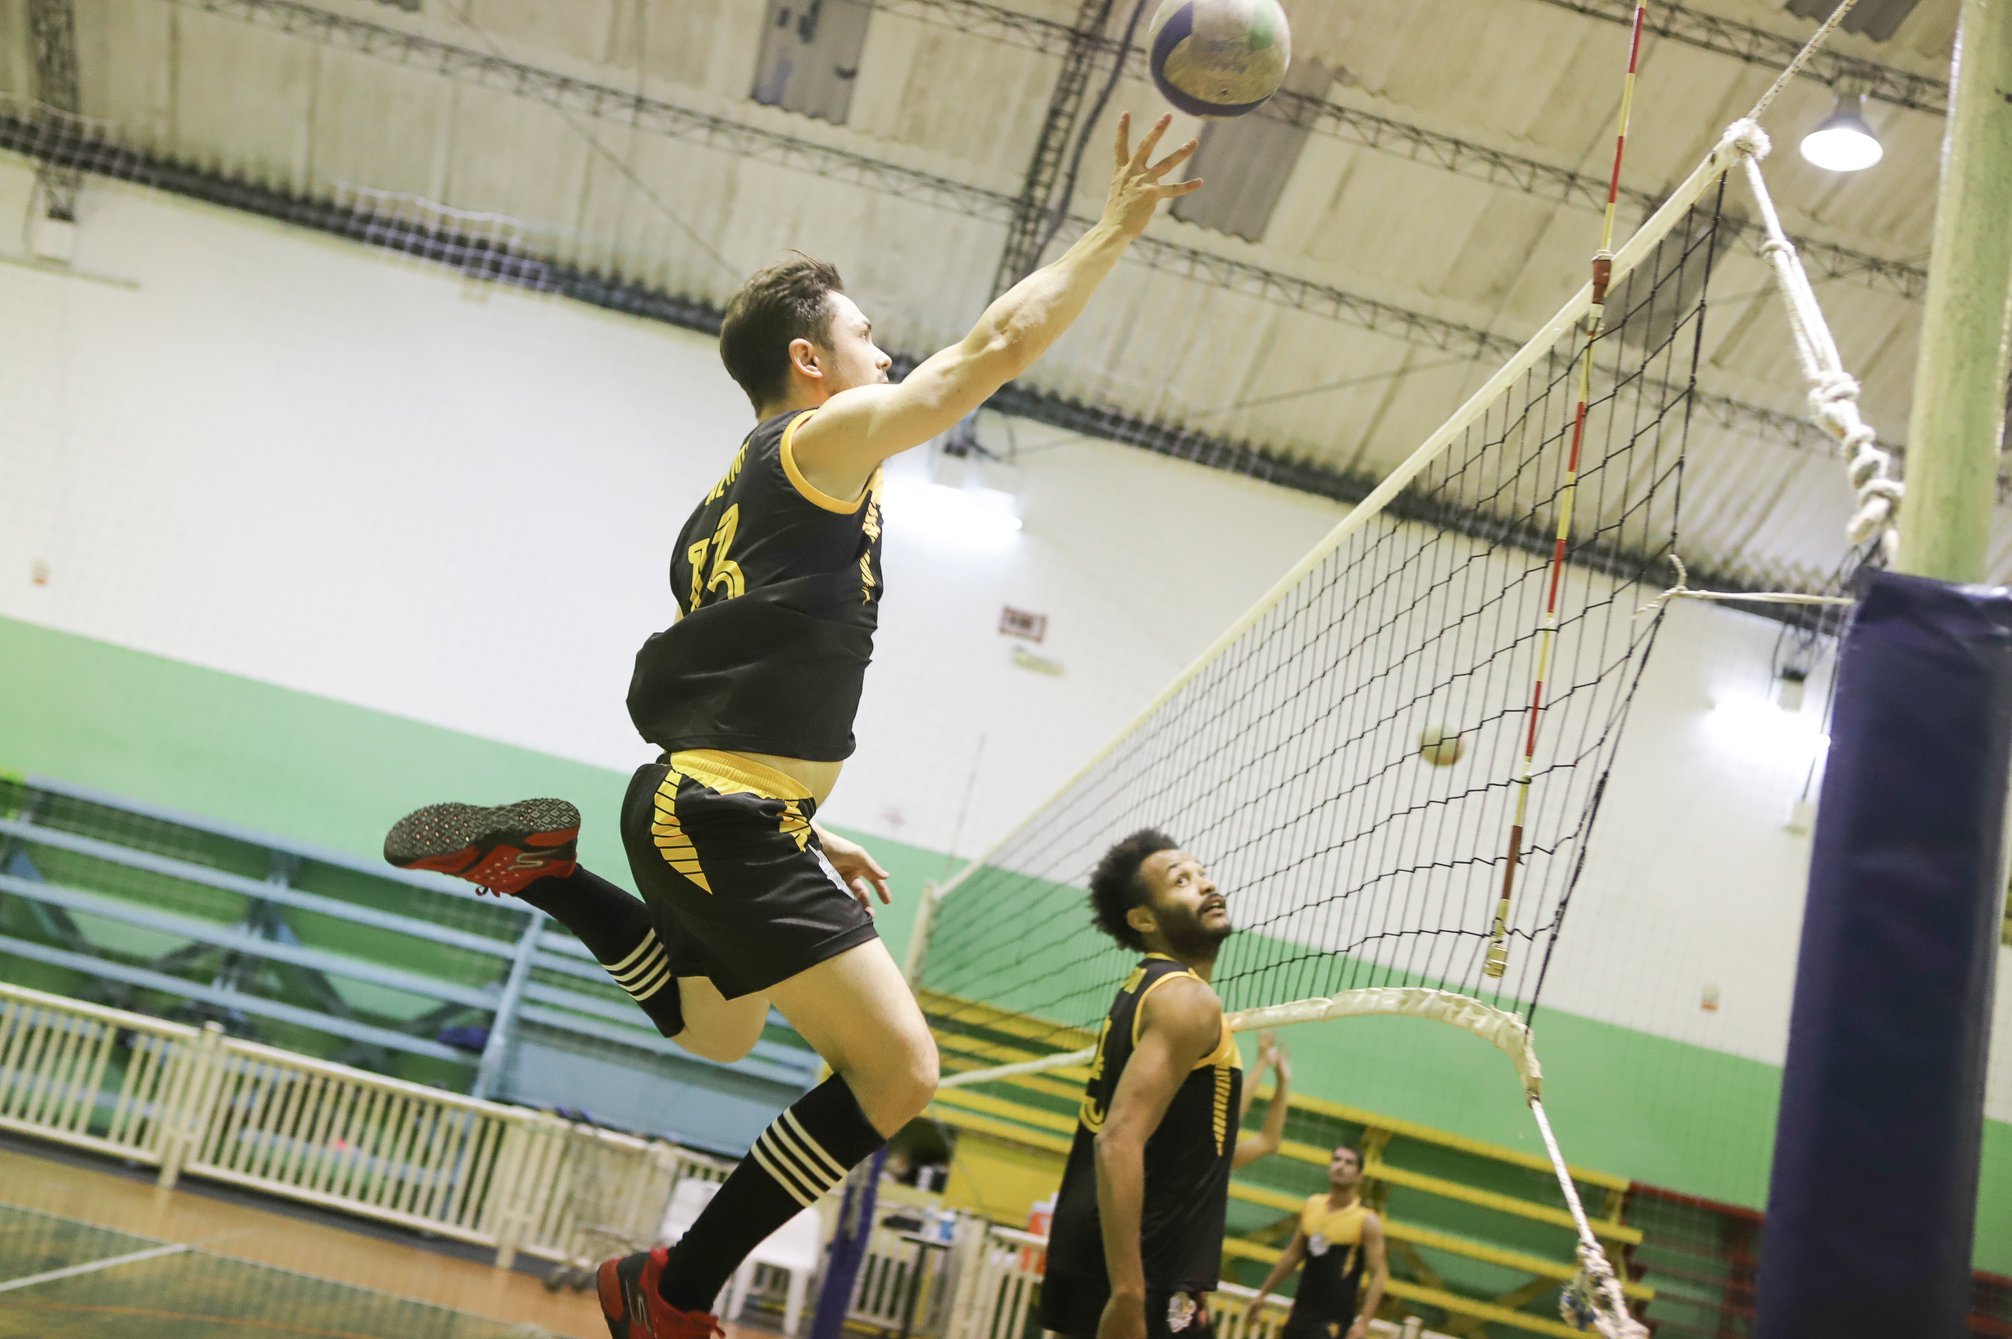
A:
(1137, 181)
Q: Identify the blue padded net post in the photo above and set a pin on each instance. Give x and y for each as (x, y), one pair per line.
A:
(1874, 1189)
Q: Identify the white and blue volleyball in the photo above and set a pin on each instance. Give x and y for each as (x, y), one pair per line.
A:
(1218, 58)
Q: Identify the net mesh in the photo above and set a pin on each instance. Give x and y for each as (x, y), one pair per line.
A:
(1347, 761)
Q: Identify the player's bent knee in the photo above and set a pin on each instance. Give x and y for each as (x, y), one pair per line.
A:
(718, 1044)
(896, 1088)
(915, 1083)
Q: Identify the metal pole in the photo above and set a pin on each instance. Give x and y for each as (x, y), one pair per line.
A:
(1958, 423)
(504, 1021)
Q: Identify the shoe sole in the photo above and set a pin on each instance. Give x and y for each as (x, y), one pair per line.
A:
(439, 835)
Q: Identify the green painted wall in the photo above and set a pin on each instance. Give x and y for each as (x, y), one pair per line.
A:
(324, 773)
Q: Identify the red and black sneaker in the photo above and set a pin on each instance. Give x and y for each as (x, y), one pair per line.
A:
(633, 1307)
(500, 849)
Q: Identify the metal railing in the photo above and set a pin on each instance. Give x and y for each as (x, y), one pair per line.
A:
(193, 1101)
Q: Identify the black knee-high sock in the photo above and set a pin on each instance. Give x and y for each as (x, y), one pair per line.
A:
(616, 929)
(804, 1153)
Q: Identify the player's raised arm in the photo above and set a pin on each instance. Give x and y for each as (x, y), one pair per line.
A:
(1267, 1045)
(1266, 1141)
(1182, 1023)
(1288, 1260)
(839, 447)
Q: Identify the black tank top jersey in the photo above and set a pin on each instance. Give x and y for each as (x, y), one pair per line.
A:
(1330, 1282)
(1187, 1157)
(779, 586)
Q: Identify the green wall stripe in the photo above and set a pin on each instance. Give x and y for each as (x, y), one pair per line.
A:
(319, 772)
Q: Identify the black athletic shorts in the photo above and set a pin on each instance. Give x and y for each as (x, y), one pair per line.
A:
(735, 879)
(1072, 1307)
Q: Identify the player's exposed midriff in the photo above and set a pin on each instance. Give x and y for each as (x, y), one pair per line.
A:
(819, 778)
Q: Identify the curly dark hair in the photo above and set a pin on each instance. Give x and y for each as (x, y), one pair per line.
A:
(776, 305)
(1115, 885)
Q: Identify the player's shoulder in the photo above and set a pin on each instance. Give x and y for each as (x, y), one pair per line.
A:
(1183, 1002)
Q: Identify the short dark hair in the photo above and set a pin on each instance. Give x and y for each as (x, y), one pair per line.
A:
(779, 304)
(1115, 885)
(1351, 1148)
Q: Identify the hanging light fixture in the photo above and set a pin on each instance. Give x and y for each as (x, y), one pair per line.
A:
(1844, 142)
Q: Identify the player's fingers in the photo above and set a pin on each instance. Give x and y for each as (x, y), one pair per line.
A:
(1173, 160)
(1180, 188)
(1124, 139)
(880, 886)
(1151, 141)
(860, 895)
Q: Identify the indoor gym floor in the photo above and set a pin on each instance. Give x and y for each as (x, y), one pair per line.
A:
(193, 1263)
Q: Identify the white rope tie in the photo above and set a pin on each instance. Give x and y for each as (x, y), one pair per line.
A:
(1794, 68)
(1833, 392)
(1682, 591)
(1594, 1298)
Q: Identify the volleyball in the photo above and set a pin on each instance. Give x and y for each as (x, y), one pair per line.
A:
(1440, 745)
(1219, 58)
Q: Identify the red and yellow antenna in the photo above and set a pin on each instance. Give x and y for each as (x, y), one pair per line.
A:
(1603, 271)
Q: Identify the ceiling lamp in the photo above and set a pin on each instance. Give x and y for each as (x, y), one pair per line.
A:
(1844, 142)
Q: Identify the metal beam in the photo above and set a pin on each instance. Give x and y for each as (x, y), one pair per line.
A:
(1156, 250)
(1773, 51)
(52, 26)
(1529, 176)
(552, 275)
(1386, 134)
(87, 147)
(1035, 208)
(1825, 260)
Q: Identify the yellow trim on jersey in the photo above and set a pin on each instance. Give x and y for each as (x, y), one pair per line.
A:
(809, 491)
(732, 774)
(1139, 1009)
(1341, 1226)
(1225, 1056)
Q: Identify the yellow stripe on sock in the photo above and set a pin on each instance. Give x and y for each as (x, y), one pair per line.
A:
(790, 1130)
(787, 1180)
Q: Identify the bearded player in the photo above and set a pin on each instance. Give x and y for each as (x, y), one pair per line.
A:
(1137, 1240)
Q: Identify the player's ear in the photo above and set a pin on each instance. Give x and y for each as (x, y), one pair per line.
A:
(803, 357)
(1141, 919)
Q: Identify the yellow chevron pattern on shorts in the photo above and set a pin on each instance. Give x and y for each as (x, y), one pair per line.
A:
(793, 824)
(669, 834)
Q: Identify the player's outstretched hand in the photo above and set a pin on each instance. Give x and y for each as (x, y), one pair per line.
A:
(861, 872)
(1136, 185)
